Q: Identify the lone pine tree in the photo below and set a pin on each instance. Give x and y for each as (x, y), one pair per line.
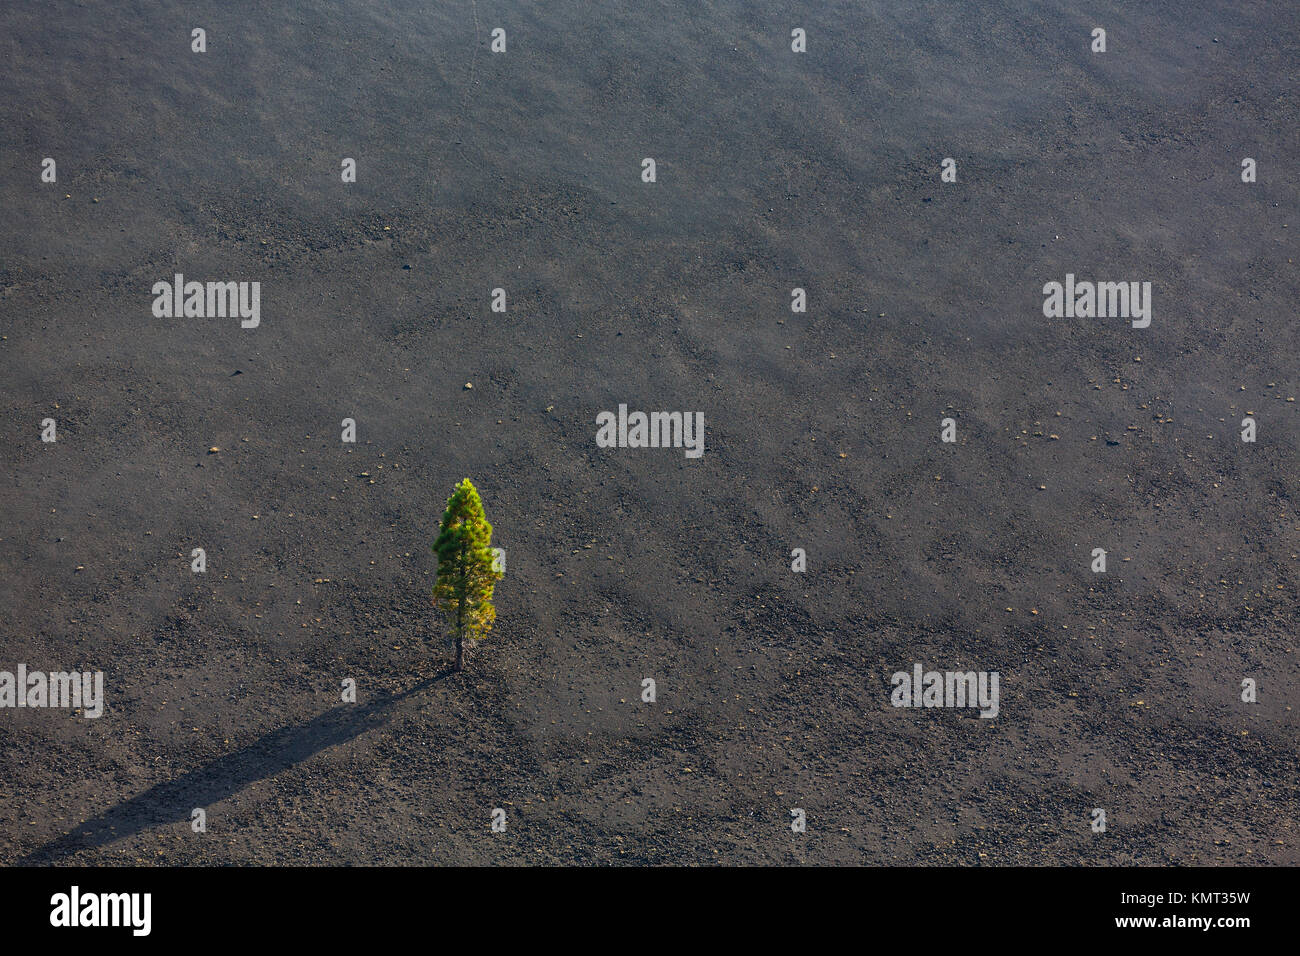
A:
(466, 575)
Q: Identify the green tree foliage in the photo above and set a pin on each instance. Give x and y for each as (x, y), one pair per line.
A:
(466, 575)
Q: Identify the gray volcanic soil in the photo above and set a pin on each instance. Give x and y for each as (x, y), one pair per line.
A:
(776, 170)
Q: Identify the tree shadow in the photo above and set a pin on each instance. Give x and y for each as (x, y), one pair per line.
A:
(174, 800)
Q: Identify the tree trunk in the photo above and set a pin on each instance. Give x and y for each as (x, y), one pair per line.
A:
(460, 619)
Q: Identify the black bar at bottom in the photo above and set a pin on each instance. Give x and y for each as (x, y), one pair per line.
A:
(335, 906)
